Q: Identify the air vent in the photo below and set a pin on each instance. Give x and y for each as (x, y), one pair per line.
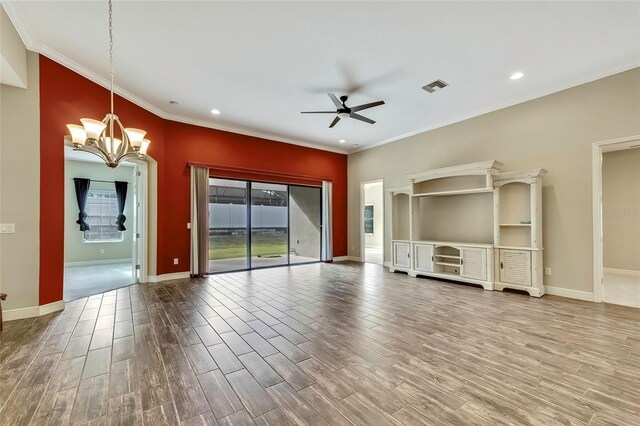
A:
(436, 85)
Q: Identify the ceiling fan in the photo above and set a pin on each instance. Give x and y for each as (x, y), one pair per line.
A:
(343, 111)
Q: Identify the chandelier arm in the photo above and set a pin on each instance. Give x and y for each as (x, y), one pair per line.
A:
(125, 145)
(103, 140)
(100, 153)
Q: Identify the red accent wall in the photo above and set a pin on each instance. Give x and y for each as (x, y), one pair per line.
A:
(65, 97)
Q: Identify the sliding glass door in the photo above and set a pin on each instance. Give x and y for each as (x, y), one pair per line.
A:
(258, 224)
(228, 236)
(269, 225)
(305, 217)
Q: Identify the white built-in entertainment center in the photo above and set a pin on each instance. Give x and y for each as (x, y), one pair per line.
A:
(470, 223)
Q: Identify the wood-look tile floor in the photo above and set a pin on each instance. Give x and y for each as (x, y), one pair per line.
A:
(322, 345)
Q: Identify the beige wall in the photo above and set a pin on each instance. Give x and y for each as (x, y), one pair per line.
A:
(13, 54)
(555, 132)
(621, 209)
(20, 190)
(374, 194)
(75, 250)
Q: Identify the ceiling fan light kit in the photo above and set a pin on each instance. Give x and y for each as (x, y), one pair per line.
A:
(343, 111)
(100, 137)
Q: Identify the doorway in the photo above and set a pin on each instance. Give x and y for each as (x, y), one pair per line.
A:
(261, 224)
(102, 258)
(372, 221)
(617, 222)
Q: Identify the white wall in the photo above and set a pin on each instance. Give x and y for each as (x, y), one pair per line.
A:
(374, 194)
(621, 209)
(75, 250)
(20, 190)
(555, 132)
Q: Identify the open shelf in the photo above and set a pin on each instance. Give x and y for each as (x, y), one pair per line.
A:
(455, 192)
(447, 264)
(448, 256)
(515, 224)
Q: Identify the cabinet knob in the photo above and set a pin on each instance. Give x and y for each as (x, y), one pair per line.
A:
(501, 265)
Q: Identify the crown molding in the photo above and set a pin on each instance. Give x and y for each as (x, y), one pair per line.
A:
(584, 79)
(38, 47)
(41, 48)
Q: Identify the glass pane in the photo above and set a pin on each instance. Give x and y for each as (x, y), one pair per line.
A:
(227, 225)
(269, 230)
(368, 219)
(305, 219)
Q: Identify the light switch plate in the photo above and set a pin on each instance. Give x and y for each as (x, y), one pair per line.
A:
(175, 261)
(7, 228)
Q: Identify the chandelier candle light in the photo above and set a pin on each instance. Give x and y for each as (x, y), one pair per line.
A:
(99, 137)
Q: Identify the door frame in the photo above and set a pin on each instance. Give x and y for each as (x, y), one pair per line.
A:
(361, 220)
(249, 186)
(597, 149)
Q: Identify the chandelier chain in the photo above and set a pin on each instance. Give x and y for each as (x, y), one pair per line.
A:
(111, 50)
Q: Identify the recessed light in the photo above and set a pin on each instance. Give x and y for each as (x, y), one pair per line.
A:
(215, 111)
(342, 141)
(516, 76)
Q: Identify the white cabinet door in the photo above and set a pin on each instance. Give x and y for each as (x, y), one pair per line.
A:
(474, 263)
(423, 257)
(515, 267)
(401, 252)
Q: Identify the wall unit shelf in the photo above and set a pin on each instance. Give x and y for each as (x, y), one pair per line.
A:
(453, 192)
(500, 250)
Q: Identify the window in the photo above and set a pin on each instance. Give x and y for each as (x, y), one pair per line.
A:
(368, 219)
(102, 212)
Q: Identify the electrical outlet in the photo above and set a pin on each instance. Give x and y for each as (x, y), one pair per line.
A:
(175, 261)
(101, 251)
(547, 271)
(7, 228)
(189, 225)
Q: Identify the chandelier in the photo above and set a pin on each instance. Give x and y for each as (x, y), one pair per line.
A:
(108, 139)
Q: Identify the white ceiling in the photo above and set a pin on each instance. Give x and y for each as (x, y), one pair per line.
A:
(261, 63)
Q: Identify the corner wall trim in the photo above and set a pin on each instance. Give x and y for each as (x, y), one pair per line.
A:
(567, 292)
(167, 277)
(33, 311)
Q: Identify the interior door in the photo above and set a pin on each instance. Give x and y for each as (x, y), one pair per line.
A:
(137, 217)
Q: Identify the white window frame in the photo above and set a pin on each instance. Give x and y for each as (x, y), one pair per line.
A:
(84, 240)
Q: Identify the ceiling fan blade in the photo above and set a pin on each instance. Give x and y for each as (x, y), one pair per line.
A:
(334, 122)
(335, 101)
(366, 106)
(361, 118)
(317, 112)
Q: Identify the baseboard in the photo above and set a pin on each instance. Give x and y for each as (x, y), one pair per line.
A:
(32, 311)
(567, 292)
(167, 277)
(97, 262)
(623, 272)
(387, 264)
